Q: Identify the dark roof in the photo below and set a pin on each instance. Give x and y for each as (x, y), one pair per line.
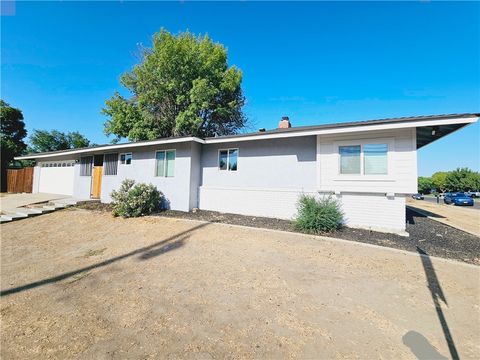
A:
(292, 129)
(353, 124)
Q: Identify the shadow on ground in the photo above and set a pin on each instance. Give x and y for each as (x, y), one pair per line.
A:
(419, 344)
(145, 253)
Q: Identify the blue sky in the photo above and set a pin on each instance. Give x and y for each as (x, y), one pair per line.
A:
(315, 62)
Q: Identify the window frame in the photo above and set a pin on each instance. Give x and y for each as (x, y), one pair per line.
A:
(165, 164)
(228, 159)
(91, 166)
(104, 163)
(390, 142)
(125, 153)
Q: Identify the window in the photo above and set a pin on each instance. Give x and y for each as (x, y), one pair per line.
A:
(165, 163)
(126, 159)
(375, 159)
(110, 164)
(228, 159)
(86, 166)
(368, 158)
(349, 159)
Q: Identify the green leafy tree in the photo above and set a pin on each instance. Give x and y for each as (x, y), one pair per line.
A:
(182, 86)
(472, 181)
(439, 180)
(43, 140)
(425, 185)
(462, 179)
(12, 133)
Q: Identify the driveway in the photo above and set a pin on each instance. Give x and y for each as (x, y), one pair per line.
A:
(460, 217)
(82, 284)
(13, 201)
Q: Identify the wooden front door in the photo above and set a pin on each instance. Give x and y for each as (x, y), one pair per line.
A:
(97, 182)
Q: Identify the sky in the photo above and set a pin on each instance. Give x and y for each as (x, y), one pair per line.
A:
(316, 62)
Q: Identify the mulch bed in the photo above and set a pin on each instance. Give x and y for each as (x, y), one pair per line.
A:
(430, 236)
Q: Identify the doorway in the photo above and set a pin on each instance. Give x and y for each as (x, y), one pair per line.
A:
(97, 177)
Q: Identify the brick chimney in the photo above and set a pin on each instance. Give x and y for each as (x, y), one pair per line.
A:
(284, 123)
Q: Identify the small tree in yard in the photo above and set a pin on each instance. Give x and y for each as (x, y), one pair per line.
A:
(135, 200)
(318, 215)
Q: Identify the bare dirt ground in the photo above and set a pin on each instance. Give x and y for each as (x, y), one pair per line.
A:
(82, 284)
(463, 218)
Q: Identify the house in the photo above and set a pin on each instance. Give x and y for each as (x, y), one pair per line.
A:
(370, 166)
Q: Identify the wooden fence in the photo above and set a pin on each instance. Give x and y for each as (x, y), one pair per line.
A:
(20, 180)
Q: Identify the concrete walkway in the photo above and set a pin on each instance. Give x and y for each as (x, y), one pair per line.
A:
(20, 206)
(463, 218)
(12, 201)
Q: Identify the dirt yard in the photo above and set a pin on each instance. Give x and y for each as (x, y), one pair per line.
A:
(82, 284)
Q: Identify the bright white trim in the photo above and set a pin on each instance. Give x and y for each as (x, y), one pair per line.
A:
(113, 147)
(390, 142)
(260, 136)
(227, 170)
(165, 164)
(125, 153)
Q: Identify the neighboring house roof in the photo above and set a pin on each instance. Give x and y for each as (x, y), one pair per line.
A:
(443, 124)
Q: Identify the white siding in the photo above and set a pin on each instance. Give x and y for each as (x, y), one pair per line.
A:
(402, 177)
(370, 211)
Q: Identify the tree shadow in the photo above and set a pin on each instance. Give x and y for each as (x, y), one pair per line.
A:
(437, 296)
(147, 252)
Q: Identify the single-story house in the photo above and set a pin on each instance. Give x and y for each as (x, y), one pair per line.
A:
(370, 166)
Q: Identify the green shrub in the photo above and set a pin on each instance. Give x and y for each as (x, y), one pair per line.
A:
(135, 200)
(318, 215)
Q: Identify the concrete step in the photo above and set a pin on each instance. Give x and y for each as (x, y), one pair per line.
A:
(5, 218)
(47, 208)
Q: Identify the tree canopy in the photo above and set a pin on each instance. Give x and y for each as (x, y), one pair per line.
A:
(461, 179)
(182, 86)
(43, 140)
(12, 133)
(425, 185)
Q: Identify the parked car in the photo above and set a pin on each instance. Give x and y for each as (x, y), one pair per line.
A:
(458, 199)
(473, 194)
(417, 196)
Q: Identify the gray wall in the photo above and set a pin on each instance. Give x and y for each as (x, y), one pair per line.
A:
(142, 169)
(288, 163)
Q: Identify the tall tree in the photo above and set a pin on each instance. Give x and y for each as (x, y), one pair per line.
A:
(439, 180)
(12, 133)
(462, 179)
(43, 140)
(182, 86)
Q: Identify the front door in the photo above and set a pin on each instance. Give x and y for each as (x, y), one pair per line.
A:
(97, 182)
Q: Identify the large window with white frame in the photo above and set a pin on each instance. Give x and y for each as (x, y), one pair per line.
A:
(165, 163)
(228, 159)
(364, 158)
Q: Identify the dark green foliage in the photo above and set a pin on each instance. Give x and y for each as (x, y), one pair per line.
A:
(43, 141)
(182, 86)
(135, 200)
(462, 179)
(318, 215)
(12, 133)
(425, 185)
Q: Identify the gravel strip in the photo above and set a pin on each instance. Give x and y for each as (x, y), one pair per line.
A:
(432, 237)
